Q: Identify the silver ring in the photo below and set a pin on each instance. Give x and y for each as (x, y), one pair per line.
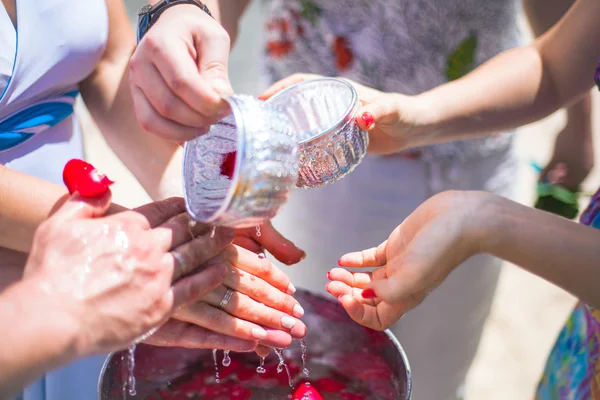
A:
(179, 263)
(223, 304)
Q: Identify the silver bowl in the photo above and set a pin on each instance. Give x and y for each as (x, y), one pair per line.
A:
(364, 361)
(241, 172)
(323, 112)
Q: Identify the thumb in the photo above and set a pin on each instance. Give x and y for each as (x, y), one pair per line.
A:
(371, 114)
(84, 207)
(213, 61)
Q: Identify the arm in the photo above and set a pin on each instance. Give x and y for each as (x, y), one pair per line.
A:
(31, 311)
(154, 161)
(516, 87)
(228, 13)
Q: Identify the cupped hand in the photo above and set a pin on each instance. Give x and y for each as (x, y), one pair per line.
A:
(114, 274)
(417, 257)
(261, 307)
(390, 118)
(178, 74)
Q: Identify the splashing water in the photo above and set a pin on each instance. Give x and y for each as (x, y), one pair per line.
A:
(130, 368)
(213, 231)
(305, 397)
(258, 231)
(282, 365)
(217, 379)
(191, 226)
(261, 368)
(226, 359)
(304, 351)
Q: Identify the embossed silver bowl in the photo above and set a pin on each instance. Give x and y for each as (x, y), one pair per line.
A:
(323, 112)
(241, 172)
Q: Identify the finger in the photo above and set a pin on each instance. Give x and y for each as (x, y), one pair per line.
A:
(159, 212)
(262, 351)
(213, 57)
(246, 308)
(248, 244)
(80, 207)
(203, 314)
(373, 113)
(178, 231)
(181, 72)
(176, 333)
(163, 100)
(286, 82)
(358, 280)
(359, 312)
(276, 244)
(195, 286)
(373, 257)
(258, 266)
(152, 121)
(197, 252)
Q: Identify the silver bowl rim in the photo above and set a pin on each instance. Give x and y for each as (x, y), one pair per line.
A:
(388, 332)
(240, 155)
(340, 122)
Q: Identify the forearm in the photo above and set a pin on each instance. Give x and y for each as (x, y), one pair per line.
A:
(556, 249)
(37, 337)
(517, 87)
(25, 202)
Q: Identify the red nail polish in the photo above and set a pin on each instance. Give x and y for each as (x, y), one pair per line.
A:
(340, 299)
(329, 275)
(369, 294)
(368, 119)
(80, 176)
(340, 263)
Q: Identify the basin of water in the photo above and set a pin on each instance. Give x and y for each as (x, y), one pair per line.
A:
(345, 361)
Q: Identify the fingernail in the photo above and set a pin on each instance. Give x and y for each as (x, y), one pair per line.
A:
(329, 276)
(259, 333)
(291, 289)
(340, 263)
(298, 311)
(303, 255)
(340, 299)
(369, 294)
(288, 322)
(368, 119)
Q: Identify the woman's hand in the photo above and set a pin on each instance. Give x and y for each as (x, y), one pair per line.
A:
(260, 306)
(417, 257)
(112, 276)
(267, 238)
(390, 118)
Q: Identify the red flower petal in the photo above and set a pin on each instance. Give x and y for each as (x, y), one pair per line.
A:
(228, 164)
(80, 176)
(329, 385)
(306, 392)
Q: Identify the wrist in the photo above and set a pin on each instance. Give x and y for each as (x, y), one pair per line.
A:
(491, 222)
(421, 114)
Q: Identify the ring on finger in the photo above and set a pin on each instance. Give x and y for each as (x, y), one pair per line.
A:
(226, 299)
(179, 269)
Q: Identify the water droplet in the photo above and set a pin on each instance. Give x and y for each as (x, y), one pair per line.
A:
(283, 366)
(216, 366)
(261, 255)
(261, 369)
(213, 231)
(304, 356)
(226, 359)
(258, 231)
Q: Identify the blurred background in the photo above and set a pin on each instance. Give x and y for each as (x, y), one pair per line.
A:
(527, 312)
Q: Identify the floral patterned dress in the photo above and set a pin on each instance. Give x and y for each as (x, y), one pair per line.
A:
(573, 367)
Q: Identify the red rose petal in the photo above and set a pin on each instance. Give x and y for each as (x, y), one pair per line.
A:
(228, 164)
(306, 392)
(329, 385)
(80, 176)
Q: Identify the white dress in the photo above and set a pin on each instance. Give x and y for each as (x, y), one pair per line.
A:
(406, 46)
(56, 45)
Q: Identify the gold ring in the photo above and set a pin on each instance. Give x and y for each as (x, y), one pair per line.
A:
(223, 304)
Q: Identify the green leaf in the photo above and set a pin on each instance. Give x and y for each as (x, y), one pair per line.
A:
(462, 60)
(310, 11)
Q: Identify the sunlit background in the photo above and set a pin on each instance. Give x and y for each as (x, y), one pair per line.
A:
(527, 312)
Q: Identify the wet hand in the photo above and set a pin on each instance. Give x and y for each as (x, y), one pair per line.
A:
(417, 257)
(113, 274)
(178, 74)
(254, 302)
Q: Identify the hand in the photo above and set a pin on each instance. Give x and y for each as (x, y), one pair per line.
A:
(113, 274)
(573, 157)
(417, 257)
(389, 118)
(179, 74)
(269, 240)
(261, 307)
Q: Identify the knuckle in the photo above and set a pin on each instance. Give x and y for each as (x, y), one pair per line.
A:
(178, 83)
